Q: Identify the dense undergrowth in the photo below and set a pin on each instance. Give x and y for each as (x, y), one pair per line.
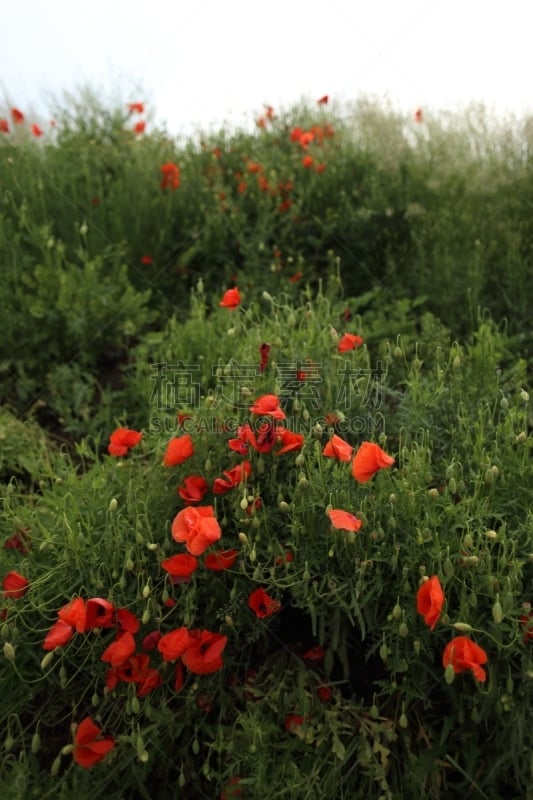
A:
(306, 552)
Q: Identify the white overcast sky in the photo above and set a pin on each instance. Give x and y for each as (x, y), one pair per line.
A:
(205, 61)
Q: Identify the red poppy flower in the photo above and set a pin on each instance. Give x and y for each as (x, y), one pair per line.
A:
(231, 298)
(17, 116)
(343, 520)
(136, 108)
(368, 460)
(526, 621)
(219, 560)
(151, 639)
(293, 721)
(308, 161)
(261, 122)
(197, 527)
(204, 653)
(15, 585)
(296, 133)
(126, 620)
(322, 101)
(338, 448)
(193, 489)
(297, 276)
(349, 341)
(267, 406)
(430, 600)
(74, 614)
(172, 645)
(133, 669)
(58, 636)
(147, 260)
(4, 126)
(171, 175)
(180, 566)
(100, 613)
(121, 440)
(264, 351)
(269, 112)
(464, 654)
(139, 127)
(419, 115)
(233, 478)
(324, 693)
(262, 604)
(150, 680)
(289, 441)
(36, 130)
(320, 168)
(179, 449)
(19, 541)
(232, 789)
(314, 654)
(305, 139)
(89, 748)
(120, 650)
(264, 441)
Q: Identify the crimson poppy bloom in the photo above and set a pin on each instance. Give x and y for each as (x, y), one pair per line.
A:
(343, 520)
(262, 604)
(305, 139)
(150, 680)
(232, 789)
(322, 101)
(430, 600)
(464, 654)
(314, 654)
(121, 440)
(171, 175)
(368, 460)
(74, 614)
(308, 161)
(231, 298)
(36, 130)
(349, 341)
(233, 478)
(296, 133)
(58, 636)
(179, 449)
(151, 639)
(4, 126)
(338, 448)
(147, 260)
(17, 116)
(139, 127)
(20, 541)
(204, 653)
(89, 747)
(197, 527)
(193, 489)
(219, 560)
(100, 613)
(526, 620)
(293, 721)
(126, 620)
(263, 443)
(267, 406)
(133, 669)
(136, 108)
(180, 566)
(419, 115)
(264, 352)
(120, 650)
(172, 645)
(15, 585)
(289, 441)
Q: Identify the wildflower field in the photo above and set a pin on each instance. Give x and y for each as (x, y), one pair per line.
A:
(265, 450)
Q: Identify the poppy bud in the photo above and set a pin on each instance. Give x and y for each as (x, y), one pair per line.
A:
(521, 438)
(113, 505)
(146, 591)
(47, 659)
(491, 535)
(285, 507)
(489, 476)
(135, 705)
(402, 722)
(468, 541)
(63, 677)
(456, 363)
(244, 503)
(403, 630)
(463, 627)
(35, 743)
(9, 651)
(56, 764)
(497, 611)
(299, 460)
(452, 486)
(95, 699)
(449, 674)
(243, 538)
(397, 611)
(433, 493)
(524, 396)
(146, 616)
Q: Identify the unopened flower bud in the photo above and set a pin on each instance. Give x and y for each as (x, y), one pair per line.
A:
(243, 538)
(462, 627)
(433, 493)
(497, 612)
(449, 674)
(9, 651)
(113, 505)
(521, 438)
(524, 396)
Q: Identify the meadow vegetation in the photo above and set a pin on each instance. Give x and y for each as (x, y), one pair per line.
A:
(265, 449)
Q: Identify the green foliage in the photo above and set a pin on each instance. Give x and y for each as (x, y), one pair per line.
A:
(373, 715)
